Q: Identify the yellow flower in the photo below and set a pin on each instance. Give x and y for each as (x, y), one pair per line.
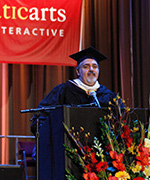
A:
(84, 158)
(123, 101)
(127, 109)
(109, 108)
(122, 125)
(136, 168)
(74, 151)
(133, 149)
(81, 128)
(72, 128)
(114, 99)
(147, 143)
(123, 151)
(109, 117)
(110, 103)
(118, 97)
(122, 175)
(135, 129)
(105, 117)
(86, 136)
(147, 171)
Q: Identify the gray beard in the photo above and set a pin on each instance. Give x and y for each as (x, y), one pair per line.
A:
(91, 80)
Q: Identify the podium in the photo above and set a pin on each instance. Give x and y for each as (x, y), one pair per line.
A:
(52, 159)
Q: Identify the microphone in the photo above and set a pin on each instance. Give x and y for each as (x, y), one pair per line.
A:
(93, 93)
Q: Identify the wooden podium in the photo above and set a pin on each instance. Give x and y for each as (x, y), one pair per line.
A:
(52, 160)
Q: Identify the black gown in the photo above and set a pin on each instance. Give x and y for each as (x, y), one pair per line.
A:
(70, 94)
(51, 143)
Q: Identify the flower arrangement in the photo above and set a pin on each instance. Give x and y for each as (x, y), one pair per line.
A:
(123, 152)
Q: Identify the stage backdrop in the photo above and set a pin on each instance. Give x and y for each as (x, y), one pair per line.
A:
(39, 31)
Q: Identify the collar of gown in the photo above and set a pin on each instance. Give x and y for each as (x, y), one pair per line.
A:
(85, 87)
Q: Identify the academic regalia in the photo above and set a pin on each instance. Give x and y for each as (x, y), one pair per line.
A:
(52, 132)
(70, 94)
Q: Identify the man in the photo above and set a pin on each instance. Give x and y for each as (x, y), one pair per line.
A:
(83, 90)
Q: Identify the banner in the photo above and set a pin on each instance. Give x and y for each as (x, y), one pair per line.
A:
(39, 31)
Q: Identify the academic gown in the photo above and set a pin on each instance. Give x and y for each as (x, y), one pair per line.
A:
(64, 94)
(70, 94)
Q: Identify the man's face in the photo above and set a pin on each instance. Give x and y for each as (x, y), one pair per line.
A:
(88, 71)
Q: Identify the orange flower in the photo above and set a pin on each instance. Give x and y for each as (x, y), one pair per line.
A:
(90, 176)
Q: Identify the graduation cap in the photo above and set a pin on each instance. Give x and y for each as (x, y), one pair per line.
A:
(88, 53)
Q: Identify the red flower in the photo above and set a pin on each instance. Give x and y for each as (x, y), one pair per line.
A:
(92, 162)
(93, 159)
(112, 178)
(87, 149)
(138, 178)
(126, 136)
(88, 167)
(108, 148)
(118, 160)
(114, 155)
(101, 166)
(129, 141)
(143, 157)
(143, 149)
(90, 156)
(90, 176)
(126, 132)
(119, 166)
